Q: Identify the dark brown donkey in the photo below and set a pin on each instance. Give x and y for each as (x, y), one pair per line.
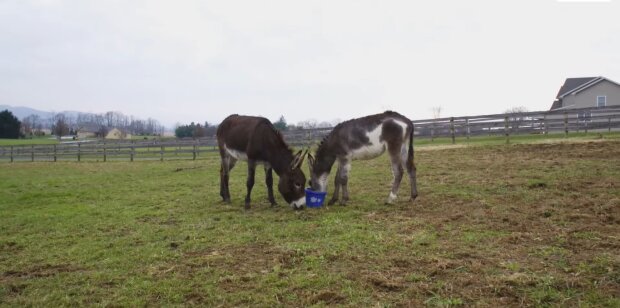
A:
(365, 138)
(257, 141)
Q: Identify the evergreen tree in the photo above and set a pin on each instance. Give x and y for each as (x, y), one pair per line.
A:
(280, 124)
(9, 125)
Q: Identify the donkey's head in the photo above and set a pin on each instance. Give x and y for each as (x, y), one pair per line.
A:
(318, 175)
(291, 184)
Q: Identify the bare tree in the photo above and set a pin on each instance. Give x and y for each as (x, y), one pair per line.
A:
(312, 123)
(60, 126)
(518, 109)
(31, 124)
(515, 115)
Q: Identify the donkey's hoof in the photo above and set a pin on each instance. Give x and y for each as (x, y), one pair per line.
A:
(332, 201)
(391, 199)
(273, 203)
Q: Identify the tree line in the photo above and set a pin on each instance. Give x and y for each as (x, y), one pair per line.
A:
(61, 124)
(98, 125)
(197, 130)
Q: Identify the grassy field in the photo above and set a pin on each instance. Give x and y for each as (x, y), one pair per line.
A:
(33, 141)
(495, 225)
(517, 139)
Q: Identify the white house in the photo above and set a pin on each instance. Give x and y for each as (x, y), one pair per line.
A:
(587, 92)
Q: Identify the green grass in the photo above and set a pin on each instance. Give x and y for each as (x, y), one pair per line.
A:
(517, 139)
(33, 141)
(495, 225)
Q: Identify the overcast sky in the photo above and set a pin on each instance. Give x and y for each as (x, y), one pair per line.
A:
(182, 61)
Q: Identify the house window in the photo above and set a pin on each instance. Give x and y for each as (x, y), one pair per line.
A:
(601, 101)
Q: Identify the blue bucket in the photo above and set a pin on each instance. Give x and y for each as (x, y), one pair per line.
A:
(314, 198)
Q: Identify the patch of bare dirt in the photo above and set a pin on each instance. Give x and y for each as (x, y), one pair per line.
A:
(439, 147)
(45, 270)
(327, 297)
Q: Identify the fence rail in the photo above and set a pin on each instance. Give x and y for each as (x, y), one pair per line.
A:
(104, 151)
(542, 122)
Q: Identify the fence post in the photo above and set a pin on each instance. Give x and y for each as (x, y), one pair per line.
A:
(131, 153)
(467, 127)
(161, 153)
(546, 128)
(79, 153)
(194, 152)
(11, 153)
(452, 129)
(105, 156)
(609, 125)
(515, 124)
(32, 153)
(433, 131)
(506, 130)
(565, 124)
(55, 153)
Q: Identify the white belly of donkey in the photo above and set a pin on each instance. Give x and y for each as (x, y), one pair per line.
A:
(374, 148)
(238, 155)
(368, 151)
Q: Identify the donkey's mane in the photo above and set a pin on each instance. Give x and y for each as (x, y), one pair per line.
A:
(323, 141)
(280, 136)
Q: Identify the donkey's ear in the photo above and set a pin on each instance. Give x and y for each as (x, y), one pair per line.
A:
(310, 162)
(298, 159)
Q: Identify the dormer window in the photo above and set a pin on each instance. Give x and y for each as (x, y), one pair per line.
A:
(601, 101)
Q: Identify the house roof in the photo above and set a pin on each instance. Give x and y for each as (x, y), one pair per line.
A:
(571, 84)
(575, 85)
(556, 104)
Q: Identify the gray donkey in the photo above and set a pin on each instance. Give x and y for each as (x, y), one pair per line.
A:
(365, 138)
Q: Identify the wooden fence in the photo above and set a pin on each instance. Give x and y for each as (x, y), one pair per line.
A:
(539, 122)
(575, 120)
(110, 151)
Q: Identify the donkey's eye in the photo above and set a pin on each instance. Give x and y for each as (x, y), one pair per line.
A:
(297, 185)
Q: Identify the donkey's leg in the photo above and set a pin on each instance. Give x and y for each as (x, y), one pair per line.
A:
(407, 158)
(227, 164)
(334, 198)
(397, 171)
(269, 182)
(231, 164)
(344, 181)
(250, 182)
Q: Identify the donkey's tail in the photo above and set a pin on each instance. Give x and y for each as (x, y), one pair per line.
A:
(410, 151)
(411, 167)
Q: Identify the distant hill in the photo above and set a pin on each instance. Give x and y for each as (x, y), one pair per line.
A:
(22, 112)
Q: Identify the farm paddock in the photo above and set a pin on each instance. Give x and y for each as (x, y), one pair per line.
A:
(509, 225)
